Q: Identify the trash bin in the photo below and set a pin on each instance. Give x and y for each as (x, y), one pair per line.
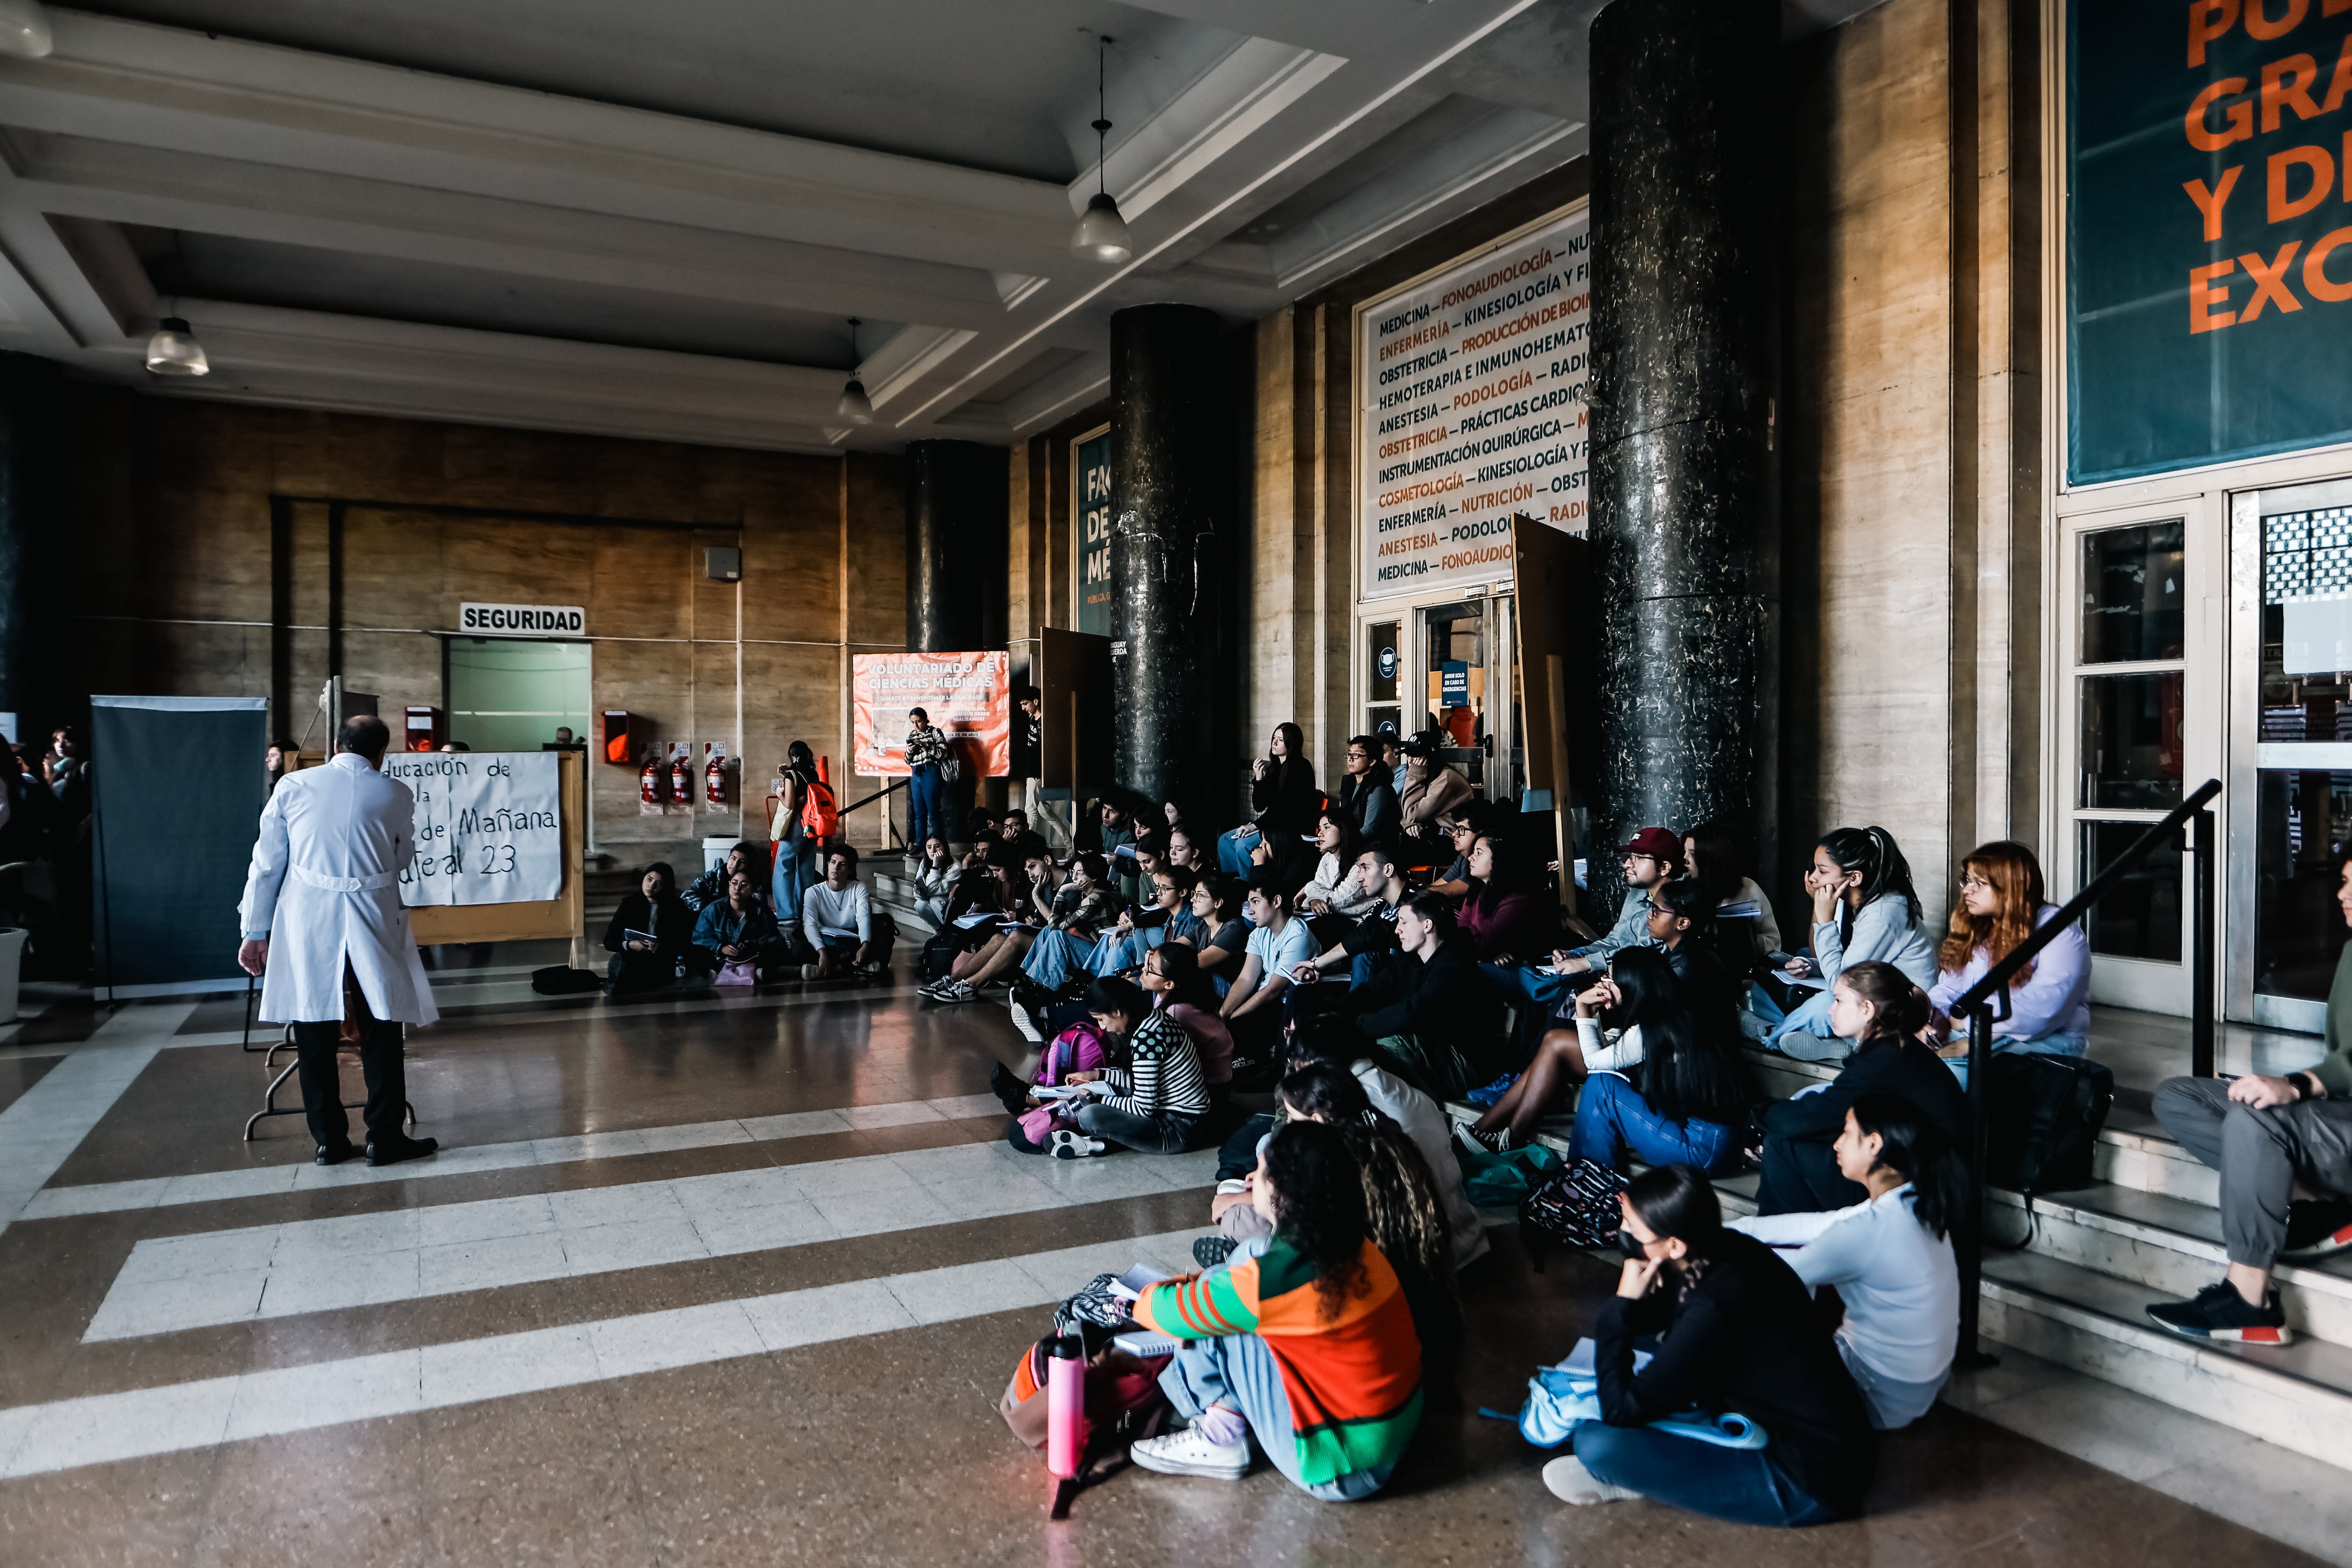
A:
(12, 959)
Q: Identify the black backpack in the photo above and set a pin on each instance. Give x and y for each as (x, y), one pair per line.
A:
(562, 980)
(2042, 1115)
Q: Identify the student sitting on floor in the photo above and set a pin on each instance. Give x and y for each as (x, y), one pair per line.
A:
(737, 931)
(1171, 977)
(1876, 1007)
(839, 919)
(1607, 1039)
(2001, 904)
(1357, 951)
(711, 888)
(1889, 1257)
(2284, 1146)
(1086, 905)
(994, 962)
(1423, 1008)
(1278, 944)
(1309, 1348)
(1219, 903)
(1502, 918)
(1167, 917)
(1736, 1332)
(1712, 857)
(936, 876)
(1682, 1104)
(1648, 859)
(650, 932)
(1334, 888)
(1864, 910)
(1158, 1089)
(1461, 831)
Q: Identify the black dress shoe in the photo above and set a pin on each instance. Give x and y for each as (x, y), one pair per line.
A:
(332, 1154)
(391, 1151)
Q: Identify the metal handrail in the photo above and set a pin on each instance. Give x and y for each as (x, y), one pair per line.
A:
(888, 821)
(1978, 1005)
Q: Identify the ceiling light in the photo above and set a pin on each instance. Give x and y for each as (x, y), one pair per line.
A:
(174, 350)
(855, 406)
(24, 29)
(1101, 235)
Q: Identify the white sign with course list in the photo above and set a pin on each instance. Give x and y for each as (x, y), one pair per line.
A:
(490, 828)
(1470, 403)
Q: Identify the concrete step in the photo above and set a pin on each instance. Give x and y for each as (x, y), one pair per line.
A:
(892, 889)
(2298, 1396)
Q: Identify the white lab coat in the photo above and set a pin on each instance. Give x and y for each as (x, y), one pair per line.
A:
(325, 886)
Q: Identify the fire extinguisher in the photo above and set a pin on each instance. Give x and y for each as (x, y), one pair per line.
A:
(681, 780)
(649, 783)
(714, 780)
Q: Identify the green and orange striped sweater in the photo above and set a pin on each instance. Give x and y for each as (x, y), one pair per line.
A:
(1353, 1379)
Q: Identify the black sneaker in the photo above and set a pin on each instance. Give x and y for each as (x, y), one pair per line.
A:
(2219, 1312)
(1209, 1251)
(1008, 1088)
(2318, 1229)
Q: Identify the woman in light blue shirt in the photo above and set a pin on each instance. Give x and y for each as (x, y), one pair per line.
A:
(1865, 908)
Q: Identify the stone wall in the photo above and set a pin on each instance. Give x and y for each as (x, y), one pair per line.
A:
(173, 594)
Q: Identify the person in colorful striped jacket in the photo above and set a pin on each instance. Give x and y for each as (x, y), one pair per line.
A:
(1309, 1345)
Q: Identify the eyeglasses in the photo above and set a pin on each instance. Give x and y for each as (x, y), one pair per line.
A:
(1972, 882)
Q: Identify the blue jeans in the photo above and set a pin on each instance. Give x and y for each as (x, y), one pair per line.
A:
(1742, 1485)
(795, 871)
(1239, 1370)
(1612, 1117)
(1052, 956)
(1531, 983)
(926, 811)
(1233, 851)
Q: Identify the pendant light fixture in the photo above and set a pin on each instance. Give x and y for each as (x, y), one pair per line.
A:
(1101, 235)
(174, 350)
(855, 406)
(24, 29)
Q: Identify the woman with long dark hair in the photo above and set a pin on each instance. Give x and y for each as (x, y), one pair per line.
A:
(649, 932)
(1864, 910)
(1889, 1257)
(1172, 977)
(1501, 915)
(1736, 1332)
(1610, 1013)
(1336, 887)
(1714, 857)
(792, 846)
(1683, 1104)
(1876, 1007)
(2000, 904)
(1283, 796)
(1309, 1346)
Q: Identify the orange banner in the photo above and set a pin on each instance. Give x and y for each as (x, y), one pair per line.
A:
(969, 695)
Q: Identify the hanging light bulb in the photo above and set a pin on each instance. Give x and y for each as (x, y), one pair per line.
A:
(24, 29)
(1101, 235)
(174, 350)
(855, 406)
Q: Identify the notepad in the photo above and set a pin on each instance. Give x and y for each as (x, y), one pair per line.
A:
(1136, 1280)
(969, 922)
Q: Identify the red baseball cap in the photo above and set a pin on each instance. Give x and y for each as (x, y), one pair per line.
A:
(1657, 843)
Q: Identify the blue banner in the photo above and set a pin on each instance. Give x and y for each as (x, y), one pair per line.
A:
(1093, 503)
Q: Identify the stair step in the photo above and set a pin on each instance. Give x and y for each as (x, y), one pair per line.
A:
(2298, 1396)
(2170, 1245)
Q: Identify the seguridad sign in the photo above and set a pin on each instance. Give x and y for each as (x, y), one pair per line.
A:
(1470, 410)
(969, 695)
(523, 620)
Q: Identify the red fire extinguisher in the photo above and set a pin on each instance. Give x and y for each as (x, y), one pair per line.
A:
(714, 778)
(649, 782)
(681, 780)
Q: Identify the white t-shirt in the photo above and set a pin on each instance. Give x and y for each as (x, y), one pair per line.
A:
(1278, 955)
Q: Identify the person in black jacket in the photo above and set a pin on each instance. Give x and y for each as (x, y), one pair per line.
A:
(1283, 796)
(711, 888)
(1738, 1333)
(1432, 1019)
(648, 933)
(1877, 1005)
(1369, 795)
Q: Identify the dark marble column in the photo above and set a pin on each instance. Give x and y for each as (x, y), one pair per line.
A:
(957, 492)
(1171, 438)
(1684, 383)
(32, 530)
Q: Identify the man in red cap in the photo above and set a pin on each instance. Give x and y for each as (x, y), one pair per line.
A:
(1651, 857)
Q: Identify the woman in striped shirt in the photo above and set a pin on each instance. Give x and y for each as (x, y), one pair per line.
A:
(1157, 1093)
(1309, 1346)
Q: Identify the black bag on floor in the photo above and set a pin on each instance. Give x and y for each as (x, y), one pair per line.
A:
(940, 954)
(2043, 1114)
(562, 980)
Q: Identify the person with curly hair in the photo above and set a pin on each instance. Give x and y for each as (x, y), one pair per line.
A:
(2000, 904)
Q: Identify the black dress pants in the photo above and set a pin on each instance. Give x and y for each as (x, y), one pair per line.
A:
(1802, 1176)
(382, 1063)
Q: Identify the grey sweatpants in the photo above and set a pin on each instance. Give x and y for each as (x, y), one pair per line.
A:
(2260, 1155)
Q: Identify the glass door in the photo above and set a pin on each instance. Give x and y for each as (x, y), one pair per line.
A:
(1470, 692)
(2136, 724)
(2292, 558)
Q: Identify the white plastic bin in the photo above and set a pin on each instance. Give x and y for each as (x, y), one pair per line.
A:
(714, 851)
(12, 959)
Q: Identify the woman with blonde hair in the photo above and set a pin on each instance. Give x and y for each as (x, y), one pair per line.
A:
(2000, 904)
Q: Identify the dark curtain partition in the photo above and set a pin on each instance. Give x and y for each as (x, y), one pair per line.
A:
(177, 788)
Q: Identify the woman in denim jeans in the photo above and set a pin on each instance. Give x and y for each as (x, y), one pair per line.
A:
(927, 748)
(1681, 1104)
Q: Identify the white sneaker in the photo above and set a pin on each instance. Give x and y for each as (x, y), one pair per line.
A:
(954, 991)
(1187, 1453)
(1499, 1142)
(1025, 1024)
(1068, 1145)
(1569, 1481)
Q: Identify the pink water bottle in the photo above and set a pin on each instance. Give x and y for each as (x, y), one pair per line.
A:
(1066, 1406)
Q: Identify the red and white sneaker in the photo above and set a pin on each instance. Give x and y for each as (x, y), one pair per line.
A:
(2219, 1312)
(2318, 1229)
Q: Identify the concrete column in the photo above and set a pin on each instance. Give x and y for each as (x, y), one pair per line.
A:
(956, 545)
(32, 529)
(1172, 437)
(1684, 397)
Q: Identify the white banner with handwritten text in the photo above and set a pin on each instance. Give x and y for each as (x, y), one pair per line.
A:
(488, 826)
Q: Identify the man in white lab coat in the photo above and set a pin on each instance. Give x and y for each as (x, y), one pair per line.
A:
(325, 880)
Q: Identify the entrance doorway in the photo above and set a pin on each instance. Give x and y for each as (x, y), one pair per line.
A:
(1448, 667)
(510, 694)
